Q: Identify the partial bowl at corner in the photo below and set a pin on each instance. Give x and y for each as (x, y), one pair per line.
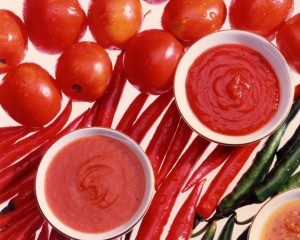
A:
(258, 44)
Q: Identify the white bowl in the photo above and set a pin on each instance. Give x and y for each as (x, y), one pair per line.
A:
(42, 170)
(268, 208)
(261, 45)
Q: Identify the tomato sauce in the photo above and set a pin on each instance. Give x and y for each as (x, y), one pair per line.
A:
(95, 184)
(284, 223)
(232, 89)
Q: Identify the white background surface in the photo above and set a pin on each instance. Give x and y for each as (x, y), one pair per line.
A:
(151, 20)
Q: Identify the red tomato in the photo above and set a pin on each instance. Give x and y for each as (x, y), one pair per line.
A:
(191, 20)
(114, 22)
(29, 95)
(13, 40)
(54, 25)
(263, 17)
(83, 71)
(288, 41)
(150, 60)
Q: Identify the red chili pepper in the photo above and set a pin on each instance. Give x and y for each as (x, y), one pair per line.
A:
(89, 118)
(149, 116)
(224, 177)
(162, 136)
(14, 188)
(8, 140)
(26, 164)
(297, 92)
(110, 101)
(180, 140)
(26, 193)
(28, 144)
(44, 233)
(213, 160)
(55, 235)
(4, 131)
(182, 225)
(132, 112)
(25, 226)
(164, 199)
(15, 215)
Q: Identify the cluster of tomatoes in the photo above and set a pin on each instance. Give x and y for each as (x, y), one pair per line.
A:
(32, 97)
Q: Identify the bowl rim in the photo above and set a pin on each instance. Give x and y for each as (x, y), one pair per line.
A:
(70, 137)
(256, 42)
(267, 209)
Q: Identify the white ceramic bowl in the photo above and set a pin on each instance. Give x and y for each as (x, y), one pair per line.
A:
(40, 183)
(261, 45)
(268, 208)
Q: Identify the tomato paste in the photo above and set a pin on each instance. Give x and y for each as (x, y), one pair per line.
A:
(94, 184)
(232, 89)
(284, 223)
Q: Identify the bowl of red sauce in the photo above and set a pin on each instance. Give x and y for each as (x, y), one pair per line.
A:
(94, 183)
(233, 87)
(279, 218)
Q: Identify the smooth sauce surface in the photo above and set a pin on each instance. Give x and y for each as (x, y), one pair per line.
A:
(284, 223)
(95, 184)
(232, 89)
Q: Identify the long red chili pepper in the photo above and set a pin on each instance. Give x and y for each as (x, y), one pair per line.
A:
(224, 177)
(15, 215)
(162, 136)
(110, 100)
(13, 189)
(149, 116)
(218, 155)
(132, 112)
(55, 235)
(297, 92)
(164, 199)
(19, 169)
(28, 144)
(91, 114)
(44, 233)
(26, 193)
(7, 141)
(33, 218)
(4, 131)
(180, 140)
(182, 225)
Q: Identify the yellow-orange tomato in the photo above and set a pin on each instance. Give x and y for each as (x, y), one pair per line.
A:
(114, 22)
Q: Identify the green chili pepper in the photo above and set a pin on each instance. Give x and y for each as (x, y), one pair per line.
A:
(227, 230)
(211, 231)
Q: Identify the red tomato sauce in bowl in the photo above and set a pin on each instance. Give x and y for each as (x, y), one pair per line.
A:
(94, 184)
(232, 89)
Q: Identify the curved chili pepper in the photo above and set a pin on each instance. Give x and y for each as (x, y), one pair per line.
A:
(178, 143)
(211, 231)
(26, 193)
(224, 177)
(5, 131)
(132, 112)
(164, 199)
(110, 101)
(162, 136)
(44, 233)
(227, 230)
(31, 142)
(182, 225)
(218, 155)
(149, 116)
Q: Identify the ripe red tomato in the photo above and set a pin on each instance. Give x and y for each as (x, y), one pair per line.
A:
(191, 20)
(150, 60)
(83, 71)
(114, 22)
(54, 25)
(13, 40)
(263, 17)
(288, 41)
(29, 95)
